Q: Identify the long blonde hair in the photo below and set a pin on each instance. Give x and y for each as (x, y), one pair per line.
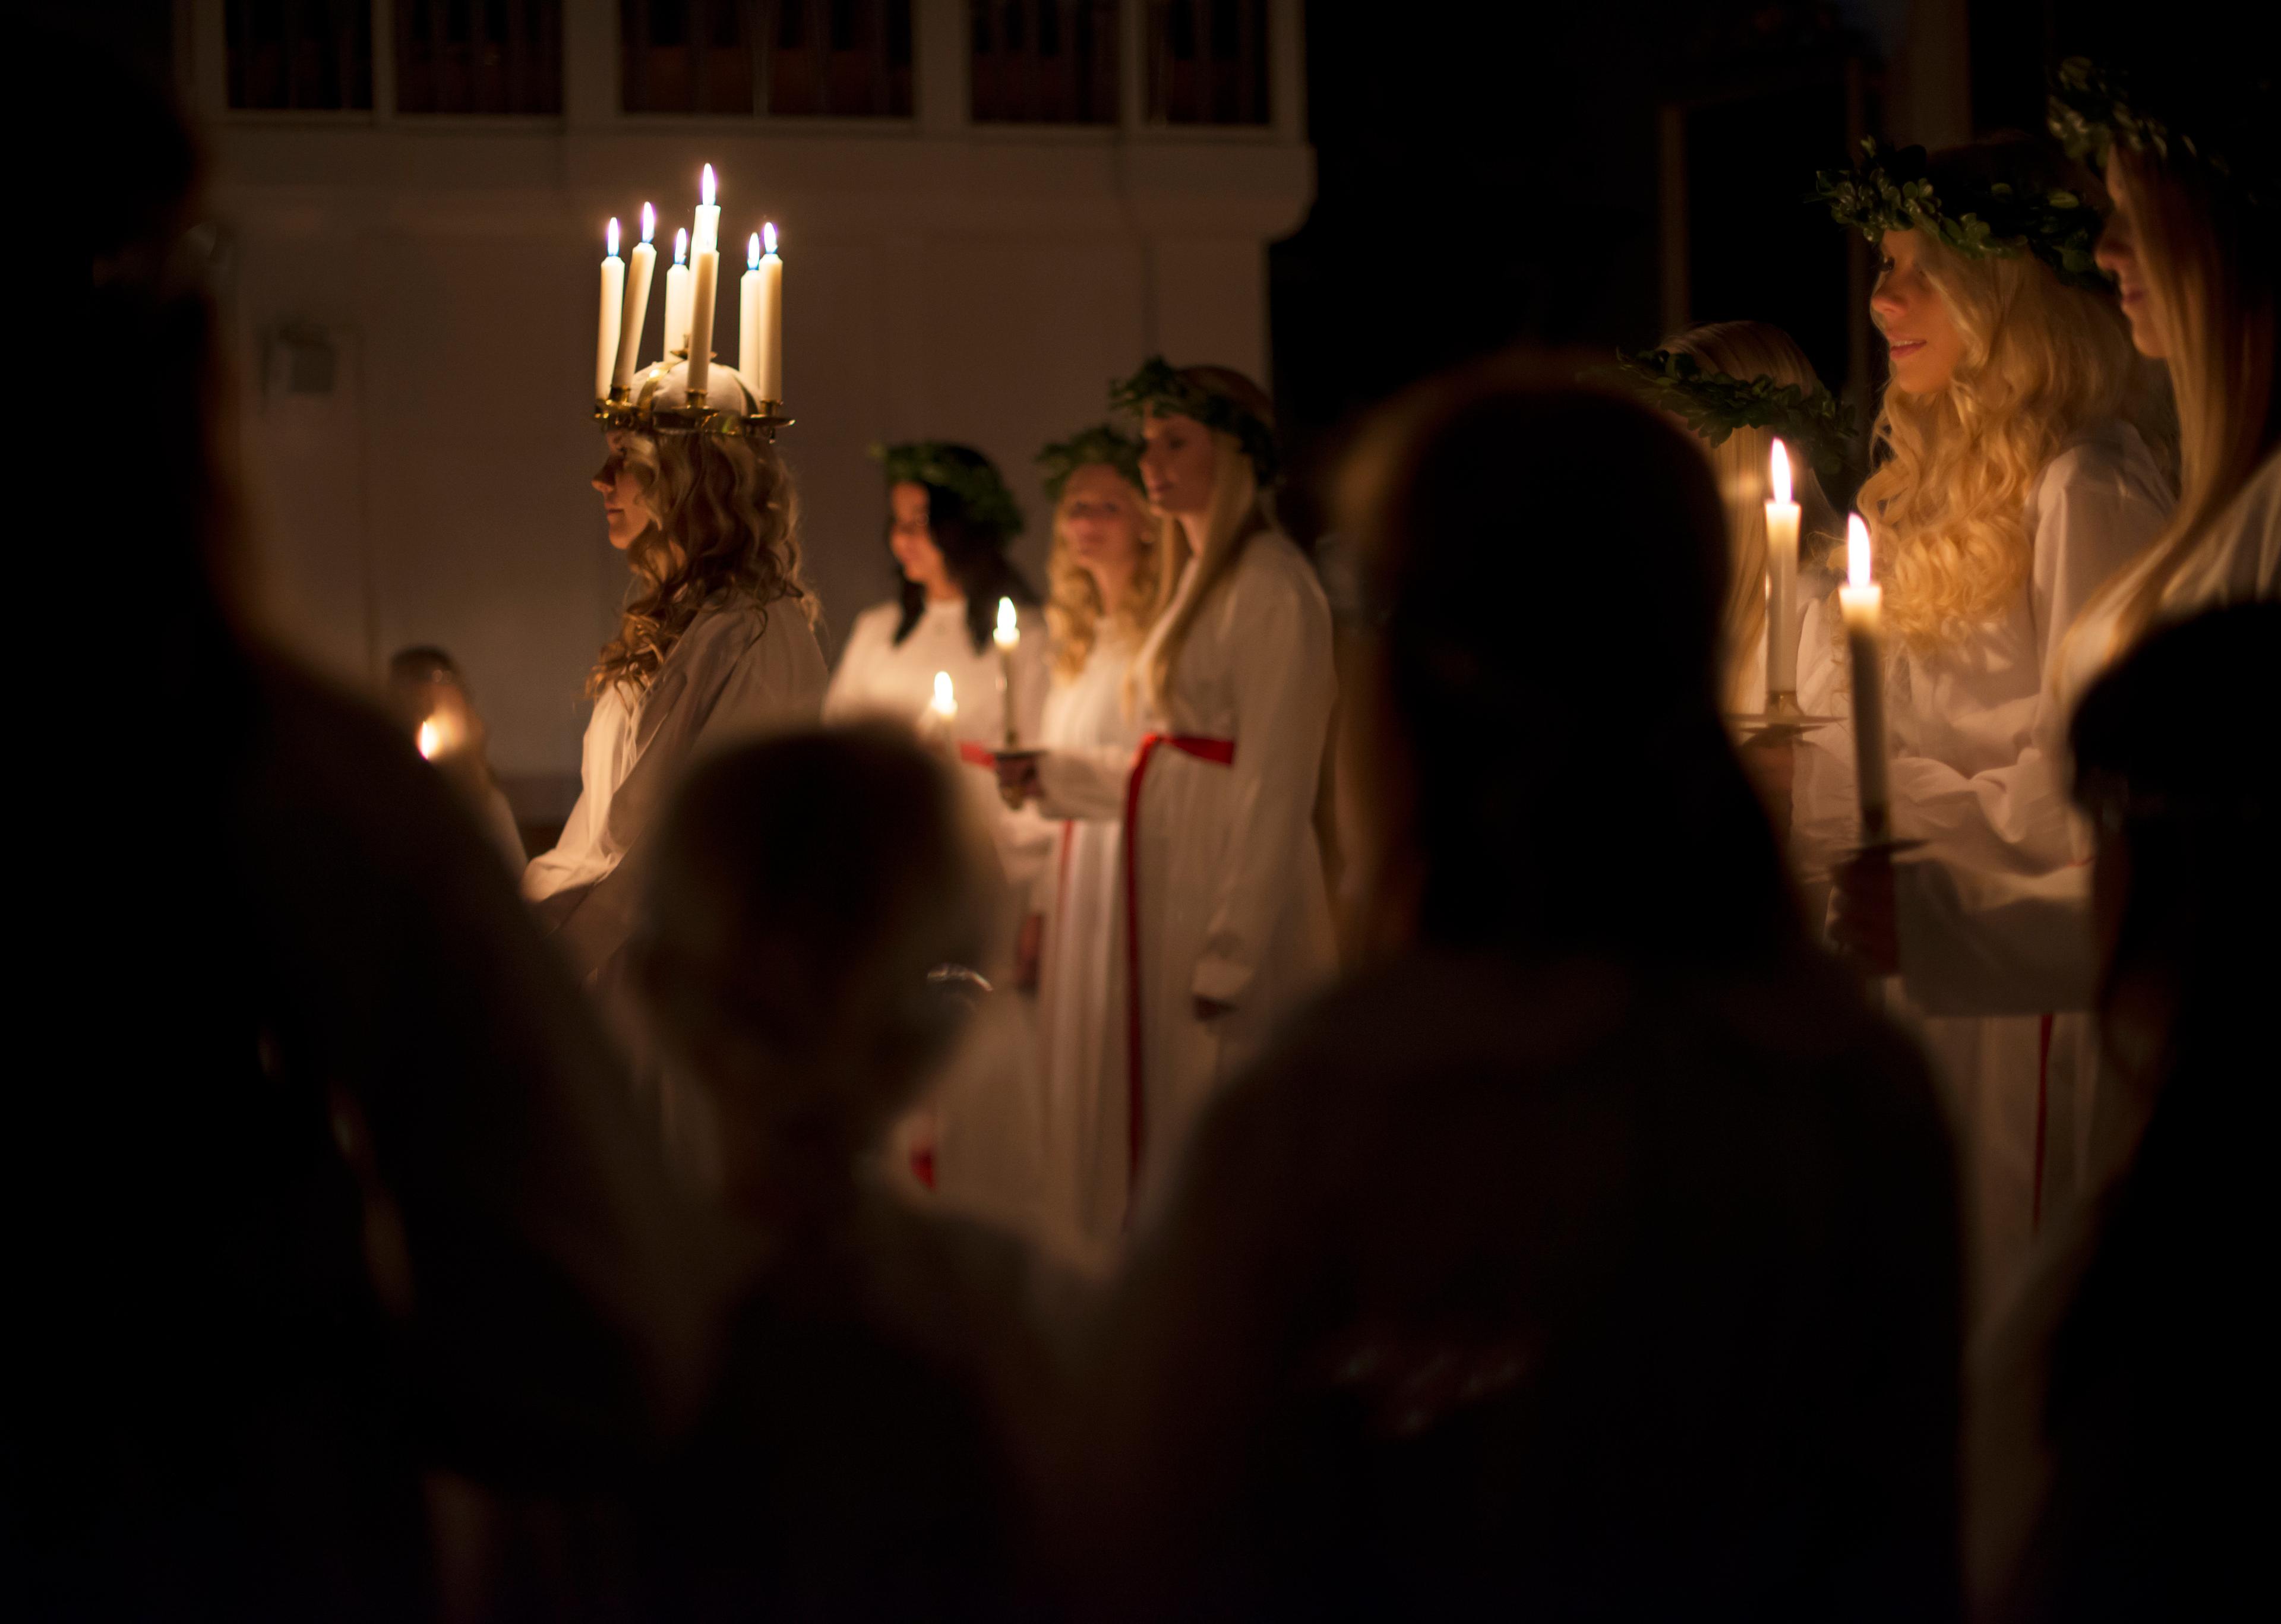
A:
(1073, 606)
(726, 527)
(1742, 463)
(1948, 507)
(1231, 520)
(2212, 268)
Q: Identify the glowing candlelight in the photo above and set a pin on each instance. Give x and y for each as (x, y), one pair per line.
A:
(1009, 637)
(637, 302)
(677, 297)
(768, 379)
(431, 740)
(945, 702)
(614, 298)
(748, 315)
(1781, 585)
(706, 251)
(1861, 601)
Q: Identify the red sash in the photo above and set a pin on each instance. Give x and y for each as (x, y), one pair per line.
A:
(1222, 751)
(977, 755)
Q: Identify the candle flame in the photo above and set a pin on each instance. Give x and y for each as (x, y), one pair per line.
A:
(1857, 551)
(431, 740)
(945, 704)
(681, 246)
(1782, 473)
(753, 252)
(705, 187)
(612, 236)
(769, 235)
(649, 223)
(1009, 628)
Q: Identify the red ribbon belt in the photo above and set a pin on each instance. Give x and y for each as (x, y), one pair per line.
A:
(977, 755)
(1222, 751)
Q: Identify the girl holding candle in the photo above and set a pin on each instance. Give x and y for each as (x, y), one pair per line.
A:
(1104, 589)
(951, 518)
(1224, 914)
(1737, 354)
(2016, 482)
(716, 642)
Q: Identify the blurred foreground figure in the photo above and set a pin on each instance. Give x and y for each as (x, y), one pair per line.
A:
(1594, 1253)
(346, 1189)
(430, 701)
(2156, 1383)
(812, 903)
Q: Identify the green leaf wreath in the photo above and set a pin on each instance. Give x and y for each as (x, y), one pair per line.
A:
(1893, 191)
(1102, 443)
(978, 487)
(1157, 387)
(2089, 109)
(1713, 405)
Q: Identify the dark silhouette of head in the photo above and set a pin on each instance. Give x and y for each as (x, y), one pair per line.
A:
(1544, 568)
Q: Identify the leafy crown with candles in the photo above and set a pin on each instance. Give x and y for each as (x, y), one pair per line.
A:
(2089, 109)
(1158, 386)
(1713, 405)
(1103, 444)
(1894, 191)
(976, 485)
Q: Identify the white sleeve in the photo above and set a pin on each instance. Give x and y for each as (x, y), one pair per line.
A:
(1285, 683)
(843, 699)
(2091, 519)
(1979, 943)
(1084, 781)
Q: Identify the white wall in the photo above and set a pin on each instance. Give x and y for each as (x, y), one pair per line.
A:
(963, 282)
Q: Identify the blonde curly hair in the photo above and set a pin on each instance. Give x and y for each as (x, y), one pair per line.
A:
(1948, 505)
(725, 527)
(1073, 606)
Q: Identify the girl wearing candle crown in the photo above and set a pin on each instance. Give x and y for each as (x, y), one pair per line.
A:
(1225, 913)
(1104, 592)
(716, 642)
(2016, 482)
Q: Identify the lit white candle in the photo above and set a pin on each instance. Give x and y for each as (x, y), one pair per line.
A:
(1009, 637)
(748, 315)
(707, 238)
(705, 259)
(676, 299)
(769, 379)
(613, 300)
(1861, 602)
(1782, 584)
(636, 308)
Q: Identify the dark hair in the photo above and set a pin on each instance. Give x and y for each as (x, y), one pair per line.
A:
(2162, 764)
(974, 552)
(797, 880)
(1564, 792)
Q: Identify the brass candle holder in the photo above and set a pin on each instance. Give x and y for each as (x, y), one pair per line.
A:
(625, 408)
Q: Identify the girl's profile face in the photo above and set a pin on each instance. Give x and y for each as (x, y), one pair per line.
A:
(1103, 517)
(1921, 339)
(1176, 462)
(625, 497)
(2118, 257)
(911, 540)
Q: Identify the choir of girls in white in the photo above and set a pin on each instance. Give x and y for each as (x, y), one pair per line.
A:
(1170, 697)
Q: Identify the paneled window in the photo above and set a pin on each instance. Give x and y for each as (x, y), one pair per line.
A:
(1208, 61)
(479, 56)
(1044, 61)
(296, 55)
(841, 58)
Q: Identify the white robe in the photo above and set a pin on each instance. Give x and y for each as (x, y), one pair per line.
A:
(981, 1135)
(1232, 902)
(1091, 730)
(1972, 778)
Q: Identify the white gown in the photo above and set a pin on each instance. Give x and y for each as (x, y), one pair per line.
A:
(981, 1137)
(1226, 866)
(1971, 776)
(1091, 730)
